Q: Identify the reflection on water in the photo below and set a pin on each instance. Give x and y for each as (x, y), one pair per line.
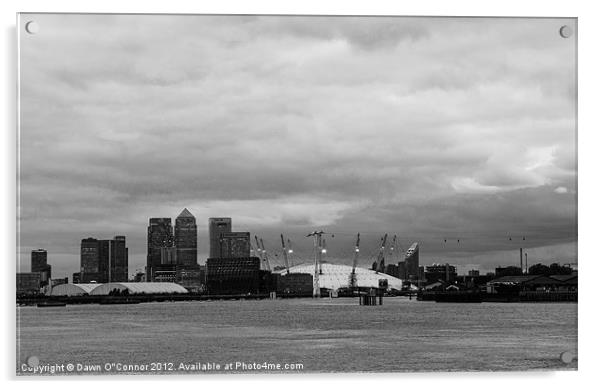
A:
(325, 335)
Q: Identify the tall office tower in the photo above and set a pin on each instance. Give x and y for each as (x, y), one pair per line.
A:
(217, 226)
(119, 259)
(186, 239)
(104, 260)
(159, 234)
(89, 260)
(412, 261)
(169, 256)
(39, 260)
(39, 264)
(235, 245)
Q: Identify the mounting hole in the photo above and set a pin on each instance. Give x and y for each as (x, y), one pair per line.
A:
(567, 357)
(565, 31)
(32, 27)
(33, 361)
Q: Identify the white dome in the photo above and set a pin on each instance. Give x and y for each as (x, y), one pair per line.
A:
(140, 287)
(73, 289)
(337, 276)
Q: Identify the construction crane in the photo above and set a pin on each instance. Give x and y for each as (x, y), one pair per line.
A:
(258, 248)
(392, 249)
(284, 253)
(381, 255)
(290, 250)
(353, 277)
(265, 255)
(323, 251)
(262, 254)
(317, 235)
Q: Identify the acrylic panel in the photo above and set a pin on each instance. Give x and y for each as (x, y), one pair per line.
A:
(296, 194)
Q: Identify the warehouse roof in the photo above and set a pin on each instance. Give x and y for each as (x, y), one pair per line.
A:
(566, 278)
(533, 279)
(73, 289)
(140, 287)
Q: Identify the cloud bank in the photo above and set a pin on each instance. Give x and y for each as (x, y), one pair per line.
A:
(425, 127)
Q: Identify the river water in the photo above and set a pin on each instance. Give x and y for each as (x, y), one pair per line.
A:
(326, 335)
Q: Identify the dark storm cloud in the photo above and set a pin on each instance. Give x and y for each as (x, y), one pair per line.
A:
(426, 127)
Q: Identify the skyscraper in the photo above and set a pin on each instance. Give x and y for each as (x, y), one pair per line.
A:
(159, 234)
(412, 261)
(89, 260)
(104, 260)
(169, 256)
(217, 226)
(186, 239)
(39, 260)
(39, 264)
(119, 259)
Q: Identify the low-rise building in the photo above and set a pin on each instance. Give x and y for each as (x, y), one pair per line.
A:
(29, 283)
(509, 284)
(233, 275)
(444, 272)
(294, 283)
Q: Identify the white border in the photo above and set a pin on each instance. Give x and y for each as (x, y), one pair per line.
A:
(590, 194)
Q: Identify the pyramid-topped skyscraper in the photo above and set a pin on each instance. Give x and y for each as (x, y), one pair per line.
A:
(185, 235)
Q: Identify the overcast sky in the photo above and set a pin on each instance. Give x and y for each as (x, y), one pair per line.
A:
(428, 128)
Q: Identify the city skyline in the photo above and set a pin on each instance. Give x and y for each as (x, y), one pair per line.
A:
(373, 125)
(402, 253)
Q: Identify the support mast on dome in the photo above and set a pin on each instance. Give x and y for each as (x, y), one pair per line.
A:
(317, 235)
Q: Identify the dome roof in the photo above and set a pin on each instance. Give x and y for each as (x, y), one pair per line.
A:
(140, 287)
(337, 276)
(73, 289)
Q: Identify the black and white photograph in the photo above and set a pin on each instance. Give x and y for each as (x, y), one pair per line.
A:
(295, 194)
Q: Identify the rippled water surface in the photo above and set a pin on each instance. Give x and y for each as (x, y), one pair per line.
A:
(324, 335)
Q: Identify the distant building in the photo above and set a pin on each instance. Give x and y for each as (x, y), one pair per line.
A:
(169, 256)
(139, 277)
(159, 235)
(570, 281)
(89, 261)
(59, 281)
(475, 280)
(217, 226)
(506, 284)
(39, 264)
(103, 260)
(185, 235)
(508, 271)
(392, 270)
(28, 283)
(299, 284)
(39, 260)
(401, 271)
(119, 259)
(444, 272)
(412, 262)
(233, 275)
(164, 273)
(234, 245)
(191, 277)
